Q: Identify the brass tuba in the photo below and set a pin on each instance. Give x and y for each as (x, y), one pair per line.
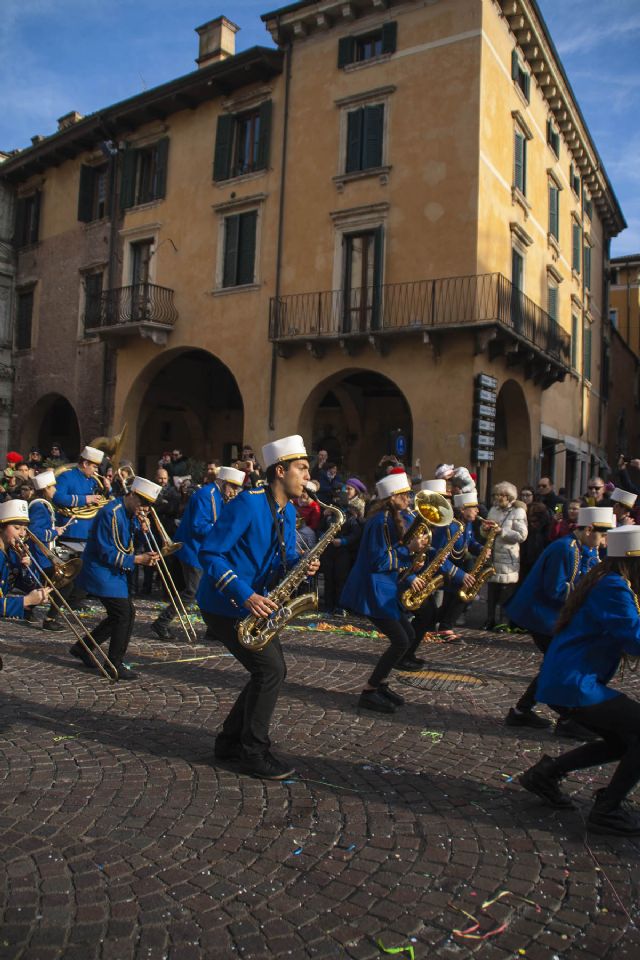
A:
(432, 510)
(111, 447)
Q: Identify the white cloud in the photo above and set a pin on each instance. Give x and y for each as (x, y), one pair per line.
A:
(601, 32)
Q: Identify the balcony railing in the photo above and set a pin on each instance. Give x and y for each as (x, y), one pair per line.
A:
(422, 305)
(142, 307)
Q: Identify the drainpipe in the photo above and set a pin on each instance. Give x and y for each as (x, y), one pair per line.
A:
(283, 162)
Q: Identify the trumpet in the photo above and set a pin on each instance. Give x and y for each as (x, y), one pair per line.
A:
(166, 549)
(68, 614)
(64, 571)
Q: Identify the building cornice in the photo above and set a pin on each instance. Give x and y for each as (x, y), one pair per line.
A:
(532, 36)
(299, 20)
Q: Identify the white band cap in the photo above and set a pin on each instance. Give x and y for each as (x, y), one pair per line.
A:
(394, 483)
(45, 479)
(93, 455)
(462, 500)
(624, 542)
(434, 486)
(14, 511)
(624, 497)
(231, 475)
(601, 518)
(288, 448)
(145, 489)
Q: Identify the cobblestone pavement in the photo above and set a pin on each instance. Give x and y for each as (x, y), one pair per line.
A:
(120, 838)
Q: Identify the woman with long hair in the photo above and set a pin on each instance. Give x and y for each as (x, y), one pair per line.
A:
(372, 586)
(598, 627)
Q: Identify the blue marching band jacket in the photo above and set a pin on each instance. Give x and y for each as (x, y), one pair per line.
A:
(540, 598)
(202, 512)
(42, 523)
(372, 585)
(109, 554)
(465, 542)
(584, 656)
(241, 554)
(72, 490)
(10, 607)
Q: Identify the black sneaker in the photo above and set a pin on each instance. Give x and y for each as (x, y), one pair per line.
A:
(391, 695)
(30, 620)
(227, 751)
(410, 664)
(50, 624)
(622, 821)
(126, 673)
(267, 767)
(77, 651)
(574, 731)
(375, 700)
(162, 631)
(526, 718)
(542, 780)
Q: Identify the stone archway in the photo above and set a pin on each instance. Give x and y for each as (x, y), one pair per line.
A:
(513, 436)
(355, 415)
(190, 401)
(52, 419)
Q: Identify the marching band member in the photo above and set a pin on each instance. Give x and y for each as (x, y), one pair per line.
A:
(203, 510)
(242, 558)
(42, 523)
(623, 503)
(372, 586)
(540, 598)
(14, 519)
(466, 504)
(598, 626)
(76, 488)
(108, 557)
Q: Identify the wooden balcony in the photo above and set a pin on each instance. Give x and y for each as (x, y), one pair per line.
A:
(503, 320)
(143, 309)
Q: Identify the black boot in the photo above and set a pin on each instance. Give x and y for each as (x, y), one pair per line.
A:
(612, 817)
(526, 718)
(544, 780)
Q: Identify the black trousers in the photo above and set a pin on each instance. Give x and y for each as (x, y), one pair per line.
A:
(498, 593)
(192, 577)
(452, 607)
(401, 638)
(617, 722)
(116, 627)
(248, 721)
(528, 699)
(424, 621)
(335, 564)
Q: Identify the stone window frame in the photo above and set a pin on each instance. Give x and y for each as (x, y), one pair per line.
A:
(368, 98)
(231, 208)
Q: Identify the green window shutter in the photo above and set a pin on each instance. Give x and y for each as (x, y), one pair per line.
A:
(373, 127)
(389, 37)
(553, 212)
(18, 236)
(527, 86)
(34, 232)
(549, 131)
(515, 65)
(231, 234)
(224, 147)
(85, 194)
(247, 247)
(586, 351)
(161, 158)
(376, 307)
(519, 161)
(354, 140)
(553, 302)
(574, 341)
(346, 51)
(264, 138)
(587, 266)
(576, 237)
(128, 182)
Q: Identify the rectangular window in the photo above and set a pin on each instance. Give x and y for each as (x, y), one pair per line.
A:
(586, 351)
(574, 179)
(242, 142)
(576, 246)
(517, 296)
(368, 46)
(553, 138)
(24, 317)
(93, 193)
(144, 174)
(588, 208)
(554, 210)
(575, 327)
(520, 161)
(27, 220)
(365, 128)
(552, 301)
(587, 266)
(239, 249)
(92, 300)
(519, 75)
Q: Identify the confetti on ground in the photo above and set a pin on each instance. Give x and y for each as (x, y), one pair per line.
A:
(433, 735)
(323, 627)
(408, 949)
(473, 932)
(69, 736)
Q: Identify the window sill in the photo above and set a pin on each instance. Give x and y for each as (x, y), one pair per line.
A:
(363, 64)
(552, 243)
(147, 205)
(518, 197)
(521, 93)
(575, 275)
(242, 288)
(100, 221)
(241, 178)
(381, 172)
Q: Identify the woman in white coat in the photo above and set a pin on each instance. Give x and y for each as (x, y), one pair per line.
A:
(511, 516)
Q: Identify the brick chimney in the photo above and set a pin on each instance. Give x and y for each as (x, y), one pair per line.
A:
(217, 41)
(69, 119)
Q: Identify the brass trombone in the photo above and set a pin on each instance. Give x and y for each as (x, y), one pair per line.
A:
(168, 547)
(62, 576)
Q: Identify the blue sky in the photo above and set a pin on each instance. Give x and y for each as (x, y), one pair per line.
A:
(62, 55)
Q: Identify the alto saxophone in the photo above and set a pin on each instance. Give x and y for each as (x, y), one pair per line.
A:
(411, 600)
(254, 632)
(481, 575)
